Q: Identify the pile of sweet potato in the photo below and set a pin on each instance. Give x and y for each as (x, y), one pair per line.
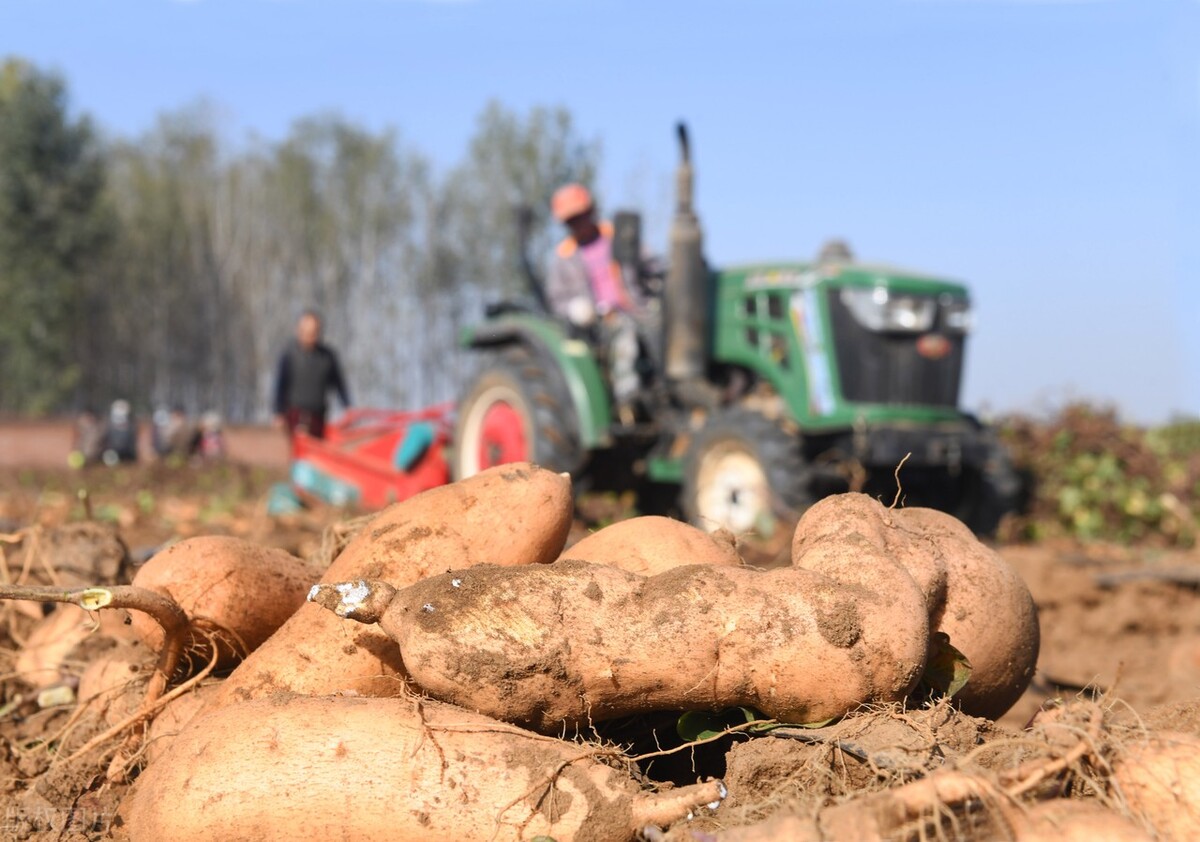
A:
(421, 685)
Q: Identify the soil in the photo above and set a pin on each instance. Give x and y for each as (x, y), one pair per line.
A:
(45, 444)
(1114, 620)
(1118, 624)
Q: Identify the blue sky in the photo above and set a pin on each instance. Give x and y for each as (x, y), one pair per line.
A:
(1044, 151)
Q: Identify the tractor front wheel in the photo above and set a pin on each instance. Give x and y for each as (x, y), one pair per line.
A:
(516, 410)
(744, 473)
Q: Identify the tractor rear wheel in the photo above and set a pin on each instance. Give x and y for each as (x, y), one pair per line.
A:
(517, 409)
(745, 473)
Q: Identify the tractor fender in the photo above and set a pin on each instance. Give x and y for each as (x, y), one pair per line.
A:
(572, 357)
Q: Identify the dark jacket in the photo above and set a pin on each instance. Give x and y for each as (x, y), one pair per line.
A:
(305, 378)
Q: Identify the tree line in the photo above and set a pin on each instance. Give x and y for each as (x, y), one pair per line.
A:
(169, 268)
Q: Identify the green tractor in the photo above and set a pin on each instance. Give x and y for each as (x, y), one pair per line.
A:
(765, 388)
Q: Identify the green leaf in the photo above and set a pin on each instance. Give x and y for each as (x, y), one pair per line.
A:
(947, 670)
(820, 724)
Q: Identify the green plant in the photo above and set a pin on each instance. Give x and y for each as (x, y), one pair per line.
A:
(1099, 479)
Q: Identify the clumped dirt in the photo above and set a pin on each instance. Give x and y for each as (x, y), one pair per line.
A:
(802, 769)
(1120, 655)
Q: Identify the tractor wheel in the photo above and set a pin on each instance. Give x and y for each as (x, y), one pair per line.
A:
(517, 410)
(746, 474)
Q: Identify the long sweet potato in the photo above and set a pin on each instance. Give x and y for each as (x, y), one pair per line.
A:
(574, 642)
(508, 515)
(369, 769)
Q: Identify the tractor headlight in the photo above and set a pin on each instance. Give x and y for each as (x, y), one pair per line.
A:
(957, 315)
(879, 309)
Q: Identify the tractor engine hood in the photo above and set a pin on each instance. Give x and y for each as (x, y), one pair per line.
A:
(846, 342)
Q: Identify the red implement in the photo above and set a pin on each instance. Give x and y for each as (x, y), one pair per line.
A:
(372, 457)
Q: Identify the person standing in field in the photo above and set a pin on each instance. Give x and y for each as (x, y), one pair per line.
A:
(308, 371)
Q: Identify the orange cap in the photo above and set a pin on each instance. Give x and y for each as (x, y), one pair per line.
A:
(569, 201)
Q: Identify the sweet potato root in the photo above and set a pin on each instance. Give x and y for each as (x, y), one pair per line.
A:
(385, 769)
(989, 614)
(651, 545)
(836, 518)
(43, 660)
(40, 661)
(574, 642)
(971, 593)
(508, 515)
(113, 685)
(898, 813)
(173, 718)
(1071, 820)
(1159, 779)
(226, 584)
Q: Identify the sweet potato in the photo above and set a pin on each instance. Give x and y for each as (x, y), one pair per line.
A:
(226, 583)
(40, 660)
(898, 813)
(113, 685)
(368, 769)
(173, 718)
(836, 518)
(989, 615)
(508, 515)
(574, 642)
(651, 545)
(782, 825)
(1160, 781)
(44, 658)
(1073, 820)
(972, 594)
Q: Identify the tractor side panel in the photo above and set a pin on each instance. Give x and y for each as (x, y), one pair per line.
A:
(763, 325)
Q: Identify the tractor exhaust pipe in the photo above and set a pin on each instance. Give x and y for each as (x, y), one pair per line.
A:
(686, 293)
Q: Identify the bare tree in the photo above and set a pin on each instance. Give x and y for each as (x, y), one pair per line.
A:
(222, 247)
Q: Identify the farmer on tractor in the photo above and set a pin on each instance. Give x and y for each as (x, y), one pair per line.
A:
(586, 286)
